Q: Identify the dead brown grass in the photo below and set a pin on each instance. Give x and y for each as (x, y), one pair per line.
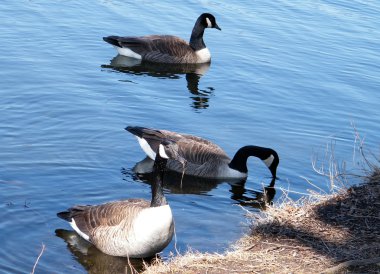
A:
(322, 233)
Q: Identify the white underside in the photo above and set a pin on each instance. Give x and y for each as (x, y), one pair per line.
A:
(75, 227)
(128, 52)
(146, 147)
(203, 55)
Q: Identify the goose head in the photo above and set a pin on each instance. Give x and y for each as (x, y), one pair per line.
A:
(207, 20)
(272, 162)
(267, 155)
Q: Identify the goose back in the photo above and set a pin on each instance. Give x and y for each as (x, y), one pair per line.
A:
(189, 145)
(88, 218)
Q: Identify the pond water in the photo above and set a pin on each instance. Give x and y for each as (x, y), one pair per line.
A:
(295, 76)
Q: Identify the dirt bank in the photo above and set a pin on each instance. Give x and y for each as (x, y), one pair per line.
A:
(323, 233)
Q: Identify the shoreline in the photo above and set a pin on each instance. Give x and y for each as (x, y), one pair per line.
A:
(318, 234)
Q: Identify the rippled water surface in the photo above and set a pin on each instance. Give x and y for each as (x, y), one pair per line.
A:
(291, 75)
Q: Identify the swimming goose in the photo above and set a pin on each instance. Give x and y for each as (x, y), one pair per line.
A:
(204, 158)
(167, 48)
(134, 228)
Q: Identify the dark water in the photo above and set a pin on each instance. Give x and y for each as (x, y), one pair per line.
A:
(293, 76)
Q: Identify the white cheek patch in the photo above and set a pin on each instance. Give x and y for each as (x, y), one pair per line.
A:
(268, 161)
(209, 25)
(162, 152)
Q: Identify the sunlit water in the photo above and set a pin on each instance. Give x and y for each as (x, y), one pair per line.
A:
(294, 76)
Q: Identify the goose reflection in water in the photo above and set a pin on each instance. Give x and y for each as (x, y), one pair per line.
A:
(95, 261)
(193, 74)
(176, 184)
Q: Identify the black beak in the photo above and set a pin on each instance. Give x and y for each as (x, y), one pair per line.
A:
(217, 27)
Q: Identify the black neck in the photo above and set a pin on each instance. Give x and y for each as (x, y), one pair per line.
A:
(158, 198)
(196, 39)
(239, 162)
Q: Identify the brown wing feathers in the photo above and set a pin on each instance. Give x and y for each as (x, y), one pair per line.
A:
(194, 149)
(88, 218)
(156, 48)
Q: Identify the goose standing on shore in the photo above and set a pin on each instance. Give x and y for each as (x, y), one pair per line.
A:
(134, 228)
(204, 158)
(168, 48)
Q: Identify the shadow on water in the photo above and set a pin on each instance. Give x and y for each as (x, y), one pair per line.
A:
(194, 72)
(174, 182)
(95, 261)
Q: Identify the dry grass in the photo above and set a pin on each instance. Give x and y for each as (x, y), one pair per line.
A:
(331, 233)
(38, 258)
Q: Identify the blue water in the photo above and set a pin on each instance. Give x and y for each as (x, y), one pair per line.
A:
(295, 76)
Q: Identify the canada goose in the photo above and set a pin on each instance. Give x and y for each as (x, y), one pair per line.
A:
(204, 158)
(167, 48)
(133, 228)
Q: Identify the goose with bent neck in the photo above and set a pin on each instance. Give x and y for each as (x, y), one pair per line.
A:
(168, 48)
(133, 228)
(204, 158)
